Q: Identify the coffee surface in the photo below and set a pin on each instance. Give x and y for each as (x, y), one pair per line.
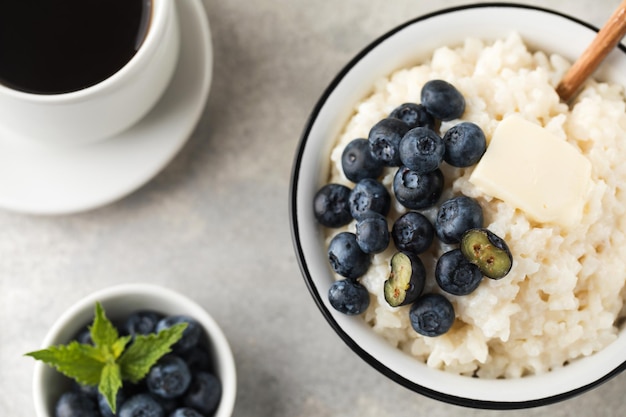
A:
(59, 46)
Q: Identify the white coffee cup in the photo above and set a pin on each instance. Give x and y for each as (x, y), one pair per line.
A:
(106, 108)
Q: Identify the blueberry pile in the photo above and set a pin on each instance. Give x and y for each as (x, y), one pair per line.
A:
(180, 384)
(408, 141)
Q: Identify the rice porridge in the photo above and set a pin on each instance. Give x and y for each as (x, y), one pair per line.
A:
(563, 298)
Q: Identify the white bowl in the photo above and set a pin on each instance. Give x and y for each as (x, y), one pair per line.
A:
(409, 43)
(119, 301)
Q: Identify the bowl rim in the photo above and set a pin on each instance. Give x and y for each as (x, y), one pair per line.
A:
(300, 255)
(83, 307)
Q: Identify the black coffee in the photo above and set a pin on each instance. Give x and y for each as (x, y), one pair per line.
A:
(58, 46)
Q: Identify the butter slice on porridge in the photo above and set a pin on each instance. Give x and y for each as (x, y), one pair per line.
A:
(532, 170)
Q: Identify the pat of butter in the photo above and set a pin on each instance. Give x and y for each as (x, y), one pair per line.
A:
(532, 170)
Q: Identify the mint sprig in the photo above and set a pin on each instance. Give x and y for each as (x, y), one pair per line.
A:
(111, 359)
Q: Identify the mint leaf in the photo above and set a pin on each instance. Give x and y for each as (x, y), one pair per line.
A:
(82, 363)
(110, 360)
(146, 350)
(103, 333)
(117, 348)
(110, 383)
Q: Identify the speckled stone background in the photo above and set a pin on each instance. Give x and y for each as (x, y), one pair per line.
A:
(214, 225)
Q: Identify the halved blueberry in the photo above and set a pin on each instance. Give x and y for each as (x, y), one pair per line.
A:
(488, 251)
(406, 279)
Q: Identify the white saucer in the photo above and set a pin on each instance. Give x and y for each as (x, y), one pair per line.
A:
(69, 180)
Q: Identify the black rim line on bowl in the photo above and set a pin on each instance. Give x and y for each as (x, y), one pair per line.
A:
(455, 400)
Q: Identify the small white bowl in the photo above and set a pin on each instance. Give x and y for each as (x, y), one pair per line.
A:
(412, 42)
(119, 301)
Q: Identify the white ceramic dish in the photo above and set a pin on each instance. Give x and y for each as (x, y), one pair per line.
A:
(36, 179)
(119, 301)
(541, 29)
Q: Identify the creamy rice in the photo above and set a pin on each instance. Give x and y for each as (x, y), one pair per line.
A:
(564, 295)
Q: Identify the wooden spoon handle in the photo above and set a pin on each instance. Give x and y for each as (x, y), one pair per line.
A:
(604, 42)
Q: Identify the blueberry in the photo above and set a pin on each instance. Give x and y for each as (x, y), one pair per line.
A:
(131, 389)
(204, 393)
(198, 359)
(348, 297)
(414, 115)
(455, 274)
(185, 412)
(488, 251)
(417, 191)
(465, 144)
(141, 405)
(167, 404)
(84, 336)
(406, 279)
(169, 377)
(431, 315)
(442, 100)
(369, 195)
(90, 391)
(412, 232)
(384, 139)
(103, 405)
(76, 404)
(358, 162)
(191, 336)
(372, 233)
(455, 216)
(421, 150)
(331, 205)
(346, 257)
(142, 322)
